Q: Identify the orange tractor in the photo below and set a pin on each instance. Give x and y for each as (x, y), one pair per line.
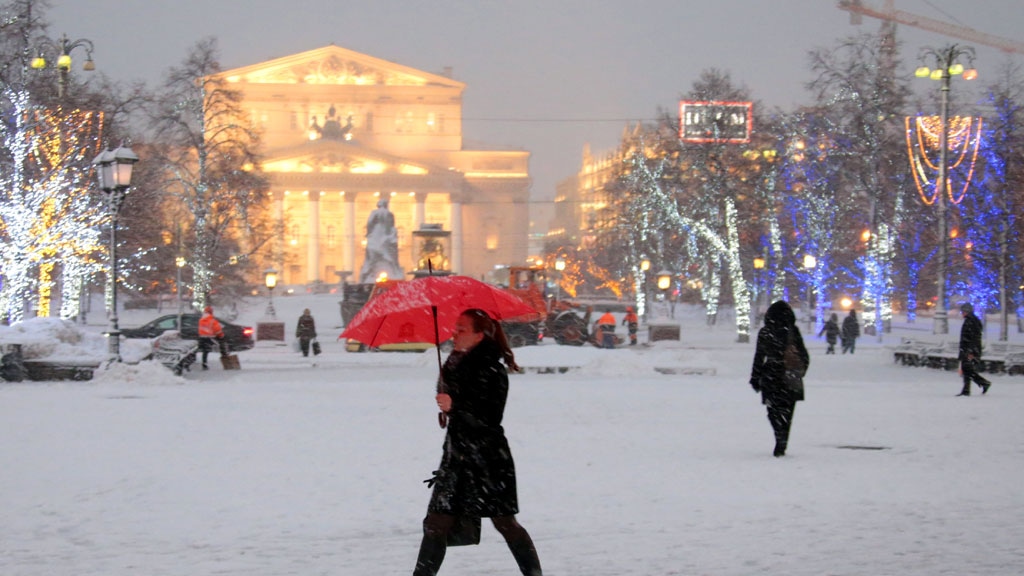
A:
(560, 320)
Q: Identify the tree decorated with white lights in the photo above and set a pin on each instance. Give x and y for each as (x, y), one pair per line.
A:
(208, 149)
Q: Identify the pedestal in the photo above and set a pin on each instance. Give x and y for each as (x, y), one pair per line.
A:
(271, 330)
(657, 332)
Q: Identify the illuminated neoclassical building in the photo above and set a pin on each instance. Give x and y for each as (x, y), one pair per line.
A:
(342, 129)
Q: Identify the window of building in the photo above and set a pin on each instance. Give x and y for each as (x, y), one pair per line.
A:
(332, 237)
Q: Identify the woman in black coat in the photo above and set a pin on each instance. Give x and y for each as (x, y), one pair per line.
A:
(477, 476)
(781, 386)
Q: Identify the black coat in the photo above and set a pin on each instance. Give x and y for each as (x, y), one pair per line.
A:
(851, 329)
(477, 476)
(306, 328)
(970, 337)
(831, 331)
(768, 373)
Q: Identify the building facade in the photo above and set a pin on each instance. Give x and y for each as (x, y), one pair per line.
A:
(342, 130)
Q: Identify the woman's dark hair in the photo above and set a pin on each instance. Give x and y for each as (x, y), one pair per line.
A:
(482, 322)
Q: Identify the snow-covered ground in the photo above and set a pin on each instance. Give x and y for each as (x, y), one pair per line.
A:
(287, 467)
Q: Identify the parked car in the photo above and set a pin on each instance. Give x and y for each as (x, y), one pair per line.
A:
(237, 337)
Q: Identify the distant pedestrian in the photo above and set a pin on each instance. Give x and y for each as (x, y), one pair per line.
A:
(305, 331)
(831, 332)
(210, 332)
(632, 323)
(780, 362)
(970, 351)
(851, 331)
(606, 330)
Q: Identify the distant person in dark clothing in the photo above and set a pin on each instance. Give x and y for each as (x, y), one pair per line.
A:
(851, 331)
(970, 351)
(831, 332)
(305, 331)
(477, 476)
(778, 374)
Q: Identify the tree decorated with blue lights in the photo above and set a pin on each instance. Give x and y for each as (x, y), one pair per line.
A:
(991, 249)
(861, 101)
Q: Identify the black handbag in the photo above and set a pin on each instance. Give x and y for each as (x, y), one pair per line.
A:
(465, 532)
(316, 347)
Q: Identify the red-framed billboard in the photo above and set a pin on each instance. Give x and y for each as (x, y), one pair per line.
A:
(715, 121)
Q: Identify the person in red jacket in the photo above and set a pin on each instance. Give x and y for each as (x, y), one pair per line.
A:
(209, 331)
(633, 323)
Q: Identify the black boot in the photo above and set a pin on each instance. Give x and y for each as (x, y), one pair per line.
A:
(526, 556)
(431, 555)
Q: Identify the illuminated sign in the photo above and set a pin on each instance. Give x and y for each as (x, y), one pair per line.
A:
(713, 121)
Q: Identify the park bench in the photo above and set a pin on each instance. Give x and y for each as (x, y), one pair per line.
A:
(175, 352)
(996, 356)
(945, 356)
(911, 352)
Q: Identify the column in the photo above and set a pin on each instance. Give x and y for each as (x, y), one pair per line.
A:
(420, 210)
(348, 236)
(456, 217)
(313, 246)
(277, 249)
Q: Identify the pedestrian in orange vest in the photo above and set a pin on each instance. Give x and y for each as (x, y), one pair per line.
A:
(606, 330)
(209, 331)
(631, 322)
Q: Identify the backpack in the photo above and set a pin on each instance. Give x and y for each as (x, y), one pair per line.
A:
(791, 359)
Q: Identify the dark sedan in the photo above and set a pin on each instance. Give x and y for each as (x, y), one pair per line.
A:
(237, 337)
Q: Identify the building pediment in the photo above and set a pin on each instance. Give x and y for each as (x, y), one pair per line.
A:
(333, 65)
(331, 157)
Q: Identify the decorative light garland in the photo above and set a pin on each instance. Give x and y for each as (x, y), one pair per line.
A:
(928, 129)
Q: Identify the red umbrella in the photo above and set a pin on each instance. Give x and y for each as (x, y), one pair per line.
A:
(425, 310)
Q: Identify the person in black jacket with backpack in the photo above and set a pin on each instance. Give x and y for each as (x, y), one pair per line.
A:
(851, 331)
(780, 362)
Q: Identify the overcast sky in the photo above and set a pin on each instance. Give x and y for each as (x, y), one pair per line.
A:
(547, 76)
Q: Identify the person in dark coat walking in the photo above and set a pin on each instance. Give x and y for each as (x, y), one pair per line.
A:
(305, 331)
(477, 476)
(778, 376)
(970, 351)
(831, 332)
(851, 331)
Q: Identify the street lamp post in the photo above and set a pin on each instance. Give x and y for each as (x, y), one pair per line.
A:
(270, 280)
(810, 262)
(643, 301)
(114, 171)
(759, 263)
(559, 268)
(664, 282)
(179, 263)
(64, 47)
(947, 65)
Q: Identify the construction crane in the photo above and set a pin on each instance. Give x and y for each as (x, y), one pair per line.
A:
(889, 14)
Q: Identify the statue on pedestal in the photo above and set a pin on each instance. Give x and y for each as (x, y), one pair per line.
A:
(381, 246)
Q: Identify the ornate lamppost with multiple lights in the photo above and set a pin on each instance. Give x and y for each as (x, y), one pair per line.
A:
(947, 62)
(114, 171)
(64, 47)
(270, 281)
